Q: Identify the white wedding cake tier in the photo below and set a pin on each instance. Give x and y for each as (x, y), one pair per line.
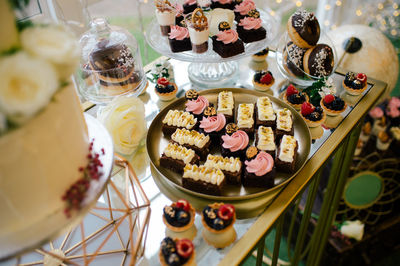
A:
(39, 162)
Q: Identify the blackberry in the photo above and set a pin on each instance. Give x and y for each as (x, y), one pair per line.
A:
(182, 217)
(349, 78)
(218, 224)
(357, 85)
(168, 247)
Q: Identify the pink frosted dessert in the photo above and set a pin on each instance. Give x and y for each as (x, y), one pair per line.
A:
(226, 42)
(197, 106)
(179, 16)
(213, 126)
(250, 28)
(260, 171)
(243, 8)
(235, 145)
(179, 40)
(226, 4)
(189, 6)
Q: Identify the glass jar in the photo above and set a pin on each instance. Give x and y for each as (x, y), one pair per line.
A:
(111, 64)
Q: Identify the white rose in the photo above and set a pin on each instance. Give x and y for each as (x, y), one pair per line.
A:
(124, 118)
(353, 229)
(26, 85)
(55, 44)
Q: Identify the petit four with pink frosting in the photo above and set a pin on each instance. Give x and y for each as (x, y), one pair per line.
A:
(250, 28)
(259, 171)
(226, 42)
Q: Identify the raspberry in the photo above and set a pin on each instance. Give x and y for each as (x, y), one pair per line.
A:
(162, 81)
(226, 211)
(266, 79)
(329, 98)
(183, 204)
(184, 247)
(291, 90)
(362, 77)
(307, 108)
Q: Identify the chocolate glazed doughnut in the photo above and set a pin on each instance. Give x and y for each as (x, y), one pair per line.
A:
(112, 63)
(318, 61)
(303, 29)
(293, 59)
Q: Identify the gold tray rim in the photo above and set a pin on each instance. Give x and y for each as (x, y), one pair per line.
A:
(178, 102)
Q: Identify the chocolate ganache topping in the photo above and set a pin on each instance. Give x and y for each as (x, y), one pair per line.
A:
(115, 60)
(294, 59)
(307, 26)
(320, 61)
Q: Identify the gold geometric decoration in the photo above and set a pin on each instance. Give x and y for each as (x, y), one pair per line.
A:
(114, 231)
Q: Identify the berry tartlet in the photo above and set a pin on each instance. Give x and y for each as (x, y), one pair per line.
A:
(179, 220)
(165, 89)
(261, 55)
(333, 105)
(263, 80)
(355, 84)
(294, 97)
(314, 116)
(176, 252)
(218, 220)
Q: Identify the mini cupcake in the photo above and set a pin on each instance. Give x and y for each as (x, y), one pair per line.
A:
(225, 4)
(189, 6)
(294, 98)
(355, 84)
(214, 127)
(333, 105)
(197, 106)
(165, 90)
(177, 252)
(383, 141)
(259, 171)
(250, 28)
(218, 220)
(179, 220)
(263, 80)
(235, 145)
(261, 55)
(366, 132)
(226, 42)
(242, 8)
(179, 40)
(314, 116)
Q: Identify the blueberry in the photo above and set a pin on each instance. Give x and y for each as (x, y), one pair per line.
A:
(349, 78)
(167, 247)
(182, 217)
(218, 224)
(315, 116)
(357, 85)
(173, 260)
(209, 215)
(169, 214)
(337, 104)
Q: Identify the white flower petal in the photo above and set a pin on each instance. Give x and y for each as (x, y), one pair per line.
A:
(55, 44)
(27, 85)
(124, 118)
(353, 229)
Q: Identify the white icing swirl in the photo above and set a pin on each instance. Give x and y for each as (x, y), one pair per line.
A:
(177, 152)
(287, 148)
(230, 164)
(245, 115)
(266, 140)
(284, 120)
(190, 137)
(203, 173)
(265, 110)
(180, 119)
(225, 103)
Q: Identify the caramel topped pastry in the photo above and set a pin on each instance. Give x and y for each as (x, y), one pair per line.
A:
(210, 111)
(251, 152)
(224, 26)
(191, 95)
(231, 128)
(253, 13)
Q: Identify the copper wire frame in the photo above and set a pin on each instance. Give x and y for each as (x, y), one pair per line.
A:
(136, 212)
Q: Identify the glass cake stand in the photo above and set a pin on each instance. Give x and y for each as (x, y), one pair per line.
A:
(307, 79)
(50, 227)
(209, 69)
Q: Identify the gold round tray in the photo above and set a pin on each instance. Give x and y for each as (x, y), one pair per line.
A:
(156, 143)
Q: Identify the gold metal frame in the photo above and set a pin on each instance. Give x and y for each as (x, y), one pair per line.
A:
(136, 212)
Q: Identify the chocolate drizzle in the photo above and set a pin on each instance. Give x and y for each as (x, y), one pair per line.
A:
(307, 26)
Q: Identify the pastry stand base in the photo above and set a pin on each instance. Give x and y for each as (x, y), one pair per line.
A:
(114, 231)
(211, 75)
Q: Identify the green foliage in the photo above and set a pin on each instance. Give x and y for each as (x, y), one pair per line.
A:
(313, 91)
(21, 25)
(19, 4)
